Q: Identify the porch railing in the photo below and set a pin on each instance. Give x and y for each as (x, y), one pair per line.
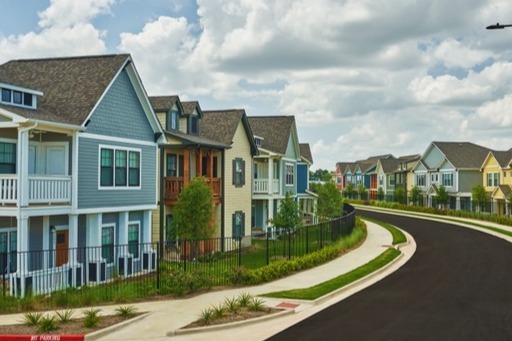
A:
(261, 186)
(174, 186)
(42, 189)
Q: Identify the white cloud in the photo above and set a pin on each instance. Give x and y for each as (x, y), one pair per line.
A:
(65, 13)
(453, 53)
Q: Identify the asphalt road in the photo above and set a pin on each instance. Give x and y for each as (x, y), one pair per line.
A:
(457, 286)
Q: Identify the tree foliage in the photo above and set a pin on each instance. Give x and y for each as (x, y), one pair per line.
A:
(415, 195)
(193, 211)
(288, 215)
(400, 194)
(330, 201)
(380, 193)
(349, 189)
(442, 196)
(479, 196)
(321, 175)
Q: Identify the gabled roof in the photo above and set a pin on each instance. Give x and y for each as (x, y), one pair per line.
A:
(275, 131)
(463, 155)
(166, 103)
(305, 152)
(188, 139)
(190, 106)
(221, 125)
(388, 165)
(505, 189)
(503, 157)
(71, 86)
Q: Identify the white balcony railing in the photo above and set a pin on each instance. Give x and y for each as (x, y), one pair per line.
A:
(42, 189)
(261, 186)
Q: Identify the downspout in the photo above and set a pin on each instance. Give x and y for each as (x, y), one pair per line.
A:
(161, 202)
(222, 200)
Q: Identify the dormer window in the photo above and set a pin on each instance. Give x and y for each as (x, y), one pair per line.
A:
(258, 142)
(193, 125)
(173, 120)
(19, 97)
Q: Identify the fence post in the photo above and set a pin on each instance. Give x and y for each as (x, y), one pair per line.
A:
(268, 249)
(289, 245)
(240, 251)
(158, 259)
(307, 239)
(185, 255)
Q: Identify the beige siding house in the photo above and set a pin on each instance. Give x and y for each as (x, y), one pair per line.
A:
(231, 128)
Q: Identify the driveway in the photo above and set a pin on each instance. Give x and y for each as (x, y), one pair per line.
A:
(457, 286)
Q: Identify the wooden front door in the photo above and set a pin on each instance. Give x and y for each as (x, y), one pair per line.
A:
(61, 248)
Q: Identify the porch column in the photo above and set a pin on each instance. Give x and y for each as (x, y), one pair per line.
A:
(22, 168)
(270, 178)
(146, 227)
(93, 252)
(46, 242)
(22, 255)
(457, 203)
(123, 233)
(73, 250)
(186, 166)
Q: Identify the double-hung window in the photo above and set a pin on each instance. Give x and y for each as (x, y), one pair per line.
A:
(290, 174)
(421, 180)
(493, 179)
(7, 158)
(448, 179)
(171, 165)
(238, 224)
(8, 251)
(107, 244)
(134, 239)
(173, 120)
(119, 168)
(238, 172)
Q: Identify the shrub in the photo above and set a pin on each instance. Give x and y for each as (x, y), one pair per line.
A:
(91, 318)
(126, 311)
(231, 305)
(206, 316)
(32, 319)
(47, 324)
(244, 298)
(257, 305)
(65, 316)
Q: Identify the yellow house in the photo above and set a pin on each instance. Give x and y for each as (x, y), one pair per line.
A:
(496, 179)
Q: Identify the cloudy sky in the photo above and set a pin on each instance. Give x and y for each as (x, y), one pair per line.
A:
(362, 77)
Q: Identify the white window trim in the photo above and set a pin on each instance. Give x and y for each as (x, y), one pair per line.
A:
(114, 187)
(23, 92)
(140, 235)
(286, 175)
(113, 225)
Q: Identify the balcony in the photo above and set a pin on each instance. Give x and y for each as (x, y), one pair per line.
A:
(43, 189)
(174, 185)
(261, 186)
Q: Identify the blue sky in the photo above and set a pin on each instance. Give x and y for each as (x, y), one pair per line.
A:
(362, 77)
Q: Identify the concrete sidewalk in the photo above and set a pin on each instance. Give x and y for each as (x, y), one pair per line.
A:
(165, 317)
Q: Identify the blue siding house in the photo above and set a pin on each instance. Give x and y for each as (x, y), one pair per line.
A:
(78, 172)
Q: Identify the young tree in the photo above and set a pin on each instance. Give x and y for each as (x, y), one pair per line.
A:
(193, 211)
(442, 196)
(361, 190)
(508, 200)
(330, 201)
(349, 190)
(380, 194)
(400, 194)
(415, 195)
(479, 196)
(288, 215)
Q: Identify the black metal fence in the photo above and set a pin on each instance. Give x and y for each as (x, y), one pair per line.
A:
(465, 203)
(117, 272)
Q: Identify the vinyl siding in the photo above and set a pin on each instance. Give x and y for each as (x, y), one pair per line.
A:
(120, 113)
(433, 158)
(238, 198)
(89, 196)
(468, 180)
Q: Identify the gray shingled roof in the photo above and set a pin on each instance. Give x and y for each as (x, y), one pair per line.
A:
(190, 106)
(503, 157)
(196, 140)
(275, 131)
(505, 189)
(463, 154)
(220, 125)
(305, 152)
(71, 86)
(164, 103)
(389, 165)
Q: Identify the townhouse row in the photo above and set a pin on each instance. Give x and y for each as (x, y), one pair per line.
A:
(89, 160)
(458, 166)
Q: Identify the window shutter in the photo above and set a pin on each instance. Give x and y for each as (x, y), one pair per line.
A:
(233, 225)
(233, 175)
(242, 232)
(243, 172)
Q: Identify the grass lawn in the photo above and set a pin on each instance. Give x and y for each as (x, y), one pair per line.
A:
(398, 236)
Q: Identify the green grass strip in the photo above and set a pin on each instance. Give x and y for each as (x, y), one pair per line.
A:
(398, 236)
(324, 288)
(437, 216)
